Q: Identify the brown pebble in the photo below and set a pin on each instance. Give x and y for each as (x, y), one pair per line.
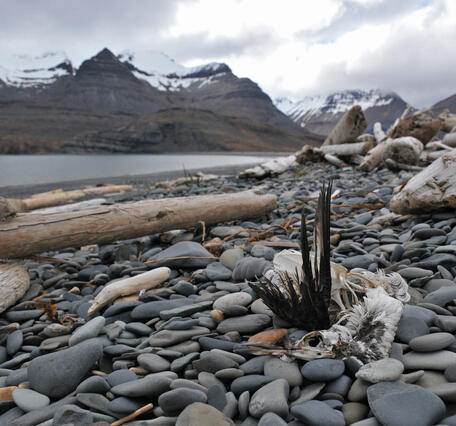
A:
(217, 315)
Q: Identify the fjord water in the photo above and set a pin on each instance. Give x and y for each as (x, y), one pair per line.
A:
(33, 169)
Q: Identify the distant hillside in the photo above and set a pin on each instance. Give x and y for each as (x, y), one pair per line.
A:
(46, 105)
(447, 103)
(319, 114)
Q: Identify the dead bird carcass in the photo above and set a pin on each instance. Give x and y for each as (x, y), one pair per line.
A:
(347, 313)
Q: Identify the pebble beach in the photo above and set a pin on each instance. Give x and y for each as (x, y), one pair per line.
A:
(178, 352)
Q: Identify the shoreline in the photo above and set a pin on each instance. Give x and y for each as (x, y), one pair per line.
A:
(21, 191)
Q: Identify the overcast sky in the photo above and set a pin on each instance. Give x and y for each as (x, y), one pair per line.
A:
(290, 48)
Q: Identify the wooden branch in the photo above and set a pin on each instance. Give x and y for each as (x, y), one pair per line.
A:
(133, 415)
(58, 196)
(335, 161)
(27, 234)
(14, 282)
(373, 158)
(448, 121)
(346, 149)
(131, 285)
(431, 190)
(379, 134)
(348, 128)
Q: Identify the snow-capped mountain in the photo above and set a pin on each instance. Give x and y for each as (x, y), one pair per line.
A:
(319, 114)
(145, 97)
(35, 71)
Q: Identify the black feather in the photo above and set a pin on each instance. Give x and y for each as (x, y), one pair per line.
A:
(309, 309)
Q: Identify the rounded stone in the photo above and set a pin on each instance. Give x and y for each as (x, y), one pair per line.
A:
(323, 370)
(174, 401)
(317, 413)
(225, 302)
(14, 342)
(28, 399)
(398, 404)
(151, 385)
(202, 415)
(354, 412)
(438, 360)
(432, 342)
(271, 419)
(87, 331)
(288, 370)
(272, 397)
(246, 324)
(153, 363)
(383, 370)
(57, 374)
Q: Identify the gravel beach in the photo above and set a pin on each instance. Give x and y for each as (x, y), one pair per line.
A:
(176, 353)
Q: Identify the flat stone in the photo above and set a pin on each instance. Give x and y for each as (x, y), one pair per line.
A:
(272, 397)
(398, 404)
(271, 419)
(438, 360)
(358, 390)
(250, 268)
(288, 370)
(230, 257)
(445, 259)
(384, 370)
(445, 391)
(308, 393)
(213, 362)
(358, 261)
(153, 363)
(149, 310)
(151, 385)
(254, 365)
(354, 412)
(442, 296)
(57, 374)
(121, 307)
(446, 323)
(323, 370)
(240, 298)
(216, 271)
(166, 338)
(316, 413)
(411, 273)
(72, 414)
(229, 373)
(186, 310)
(118, 377)
(250, 383)
(216, 397)
(174, 401)
(341, 385)
(124, 405)
(93, 384)
(432, 342)
(202, 415)
(184, 249)
(28, 399)
(87, 331)
(14, 342)
(246, 324)
(411, 327)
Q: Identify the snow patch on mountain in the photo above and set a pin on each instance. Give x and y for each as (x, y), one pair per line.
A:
(33, 71)
(163, 73)
(334, 103)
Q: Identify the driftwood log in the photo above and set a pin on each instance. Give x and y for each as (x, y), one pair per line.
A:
(127, 286)
(450, 140)
(345, 149)
(349, 127)
(27, 234)
(58, 196)
(14, 282)
(379, 134)
(448, 121)
(431, 190)
(373, 158)
(421, 125)
(406, 150)
(273, 167)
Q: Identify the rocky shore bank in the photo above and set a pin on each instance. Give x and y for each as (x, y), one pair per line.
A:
(176, 352)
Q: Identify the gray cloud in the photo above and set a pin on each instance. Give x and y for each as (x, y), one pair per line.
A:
(352, 14)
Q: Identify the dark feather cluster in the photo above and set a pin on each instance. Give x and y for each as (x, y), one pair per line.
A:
(304, 303)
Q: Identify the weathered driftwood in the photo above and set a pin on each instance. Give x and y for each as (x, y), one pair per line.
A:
(191, 178)
(396, 165)
(272, 167)
(388, 219)
(14, 282)
(27, 234)
(447, 120)
(346, 149)
(421, 125)
(8, 208)
(379, 134)
(405, 150)
(72, 207)
(430, 156)
(127, 286)
(432, 189)
(306, 154)
(373, 158)
(332, 159)
(350, 126)
(58, 196)
(450, 140)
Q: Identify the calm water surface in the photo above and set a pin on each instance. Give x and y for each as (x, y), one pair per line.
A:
(28, 169)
